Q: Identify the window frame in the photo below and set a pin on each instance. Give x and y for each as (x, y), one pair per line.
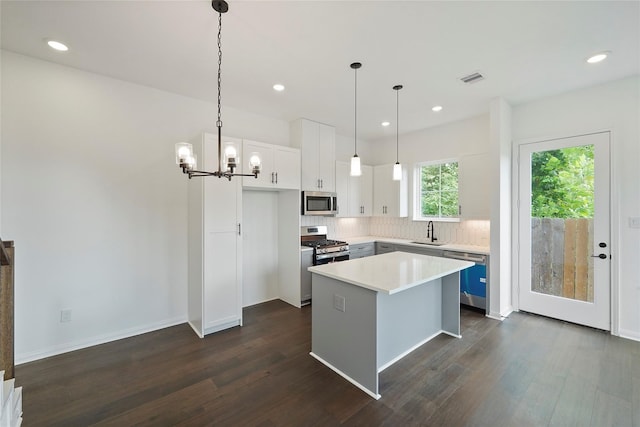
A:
(417, 191)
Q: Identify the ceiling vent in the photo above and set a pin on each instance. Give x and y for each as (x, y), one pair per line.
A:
(472, 78)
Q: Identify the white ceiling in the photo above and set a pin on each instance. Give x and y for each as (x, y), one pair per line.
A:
(526, 50)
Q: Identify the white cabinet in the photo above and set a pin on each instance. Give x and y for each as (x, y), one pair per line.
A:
(389, 196)
(215, 245)
(280, 166)
(317, 143)
(355, 193)
(473, 186)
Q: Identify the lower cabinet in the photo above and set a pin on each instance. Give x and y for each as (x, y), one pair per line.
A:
(420, 250)
(383, 248)
(306, 261)
(361, 250)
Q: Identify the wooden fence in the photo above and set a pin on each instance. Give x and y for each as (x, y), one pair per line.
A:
(6, 309)
(561, 257)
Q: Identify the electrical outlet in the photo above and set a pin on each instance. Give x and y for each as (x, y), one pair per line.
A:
(65, 316)
(634, 221)
(339, 302)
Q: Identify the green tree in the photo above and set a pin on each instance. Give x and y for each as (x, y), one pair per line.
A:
(439, 190)
(562, 183)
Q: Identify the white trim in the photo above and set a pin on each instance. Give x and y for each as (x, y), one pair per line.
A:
(345, 376)
(424, 341)
(195, 329)
(416, 216)
(222, 324)
(495, 316)
(629, 334)
(101, 339)
(529, 145)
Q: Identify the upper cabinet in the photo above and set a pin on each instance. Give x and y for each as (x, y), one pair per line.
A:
(473, 186)
(390, 197)
(355, 193)
(317, 143)
(280, 168)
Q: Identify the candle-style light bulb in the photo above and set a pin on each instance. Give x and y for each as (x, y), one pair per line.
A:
(231, 157)
(184, 150)
(255, 163)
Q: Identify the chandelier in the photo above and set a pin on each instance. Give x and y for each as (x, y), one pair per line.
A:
(185, 157)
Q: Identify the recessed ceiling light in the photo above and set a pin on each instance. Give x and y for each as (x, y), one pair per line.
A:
(598, 57)
(385, 124)
(57, 45)
(436, 108)
(278, 87)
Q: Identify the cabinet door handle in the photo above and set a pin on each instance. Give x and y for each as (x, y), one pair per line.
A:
(318, 183)
(276, 177)
(239, 230)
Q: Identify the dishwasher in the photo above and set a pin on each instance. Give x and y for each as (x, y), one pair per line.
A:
(473, 280)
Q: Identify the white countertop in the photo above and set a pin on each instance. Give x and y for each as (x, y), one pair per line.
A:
(392, 272)
(484, 250)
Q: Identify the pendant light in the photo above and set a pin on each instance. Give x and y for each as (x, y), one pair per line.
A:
(397, 168)
(185, 157)
(355, 160)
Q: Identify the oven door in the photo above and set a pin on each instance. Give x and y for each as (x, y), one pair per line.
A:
(329, 258)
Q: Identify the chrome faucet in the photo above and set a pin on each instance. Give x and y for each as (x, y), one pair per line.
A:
(432, 235)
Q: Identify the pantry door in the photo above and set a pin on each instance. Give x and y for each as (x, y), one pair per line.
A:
(564, 229)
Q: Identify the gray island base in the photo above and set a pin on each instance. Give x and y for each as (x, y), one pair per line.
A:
(368, 313)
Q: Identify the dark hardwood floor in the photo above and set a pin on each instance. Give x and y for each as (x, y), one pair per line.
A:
(524, 371)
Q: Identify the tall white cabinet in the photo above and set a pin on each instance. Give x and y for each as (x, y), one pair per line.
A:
(317, 143)
(390, 197)
(215, 244)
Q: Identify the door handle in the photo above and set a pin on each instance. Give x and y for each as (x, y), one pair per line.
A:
(239, 230)
(276, 177)
(601, 256)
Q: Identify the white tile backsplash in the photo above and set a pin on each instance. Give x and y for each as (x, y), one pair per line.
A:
(339, 228)
(462, 233)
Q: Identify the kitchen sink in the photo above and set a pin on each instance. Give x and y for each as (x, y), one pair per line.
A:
(429, 243)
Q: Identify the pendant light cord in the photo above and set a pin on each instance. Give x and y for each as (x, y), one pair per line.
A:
(397, 121)
(355, 114)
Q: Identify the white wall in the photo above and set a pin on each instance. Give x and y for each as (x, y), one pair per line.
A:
(345, 147)
(95, 203)
(614, 106)
(260, 247)
(469, 136)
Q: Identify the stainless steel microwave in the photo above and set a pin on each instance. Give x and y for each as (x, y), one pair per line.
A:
(319, 203)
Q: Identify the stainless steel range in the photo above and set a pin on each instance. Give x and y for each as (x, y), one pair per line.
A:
(324, 250)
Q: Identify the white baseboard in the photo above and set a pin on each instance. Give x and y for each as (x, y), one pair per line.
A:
(101, 339)
(631, 335)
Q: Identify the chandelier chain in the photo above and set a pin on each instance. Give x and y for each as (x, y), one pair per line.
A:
(219, 122)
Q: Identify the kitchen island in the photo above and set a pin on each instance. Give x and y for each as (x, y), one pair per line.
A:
(368, 313)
